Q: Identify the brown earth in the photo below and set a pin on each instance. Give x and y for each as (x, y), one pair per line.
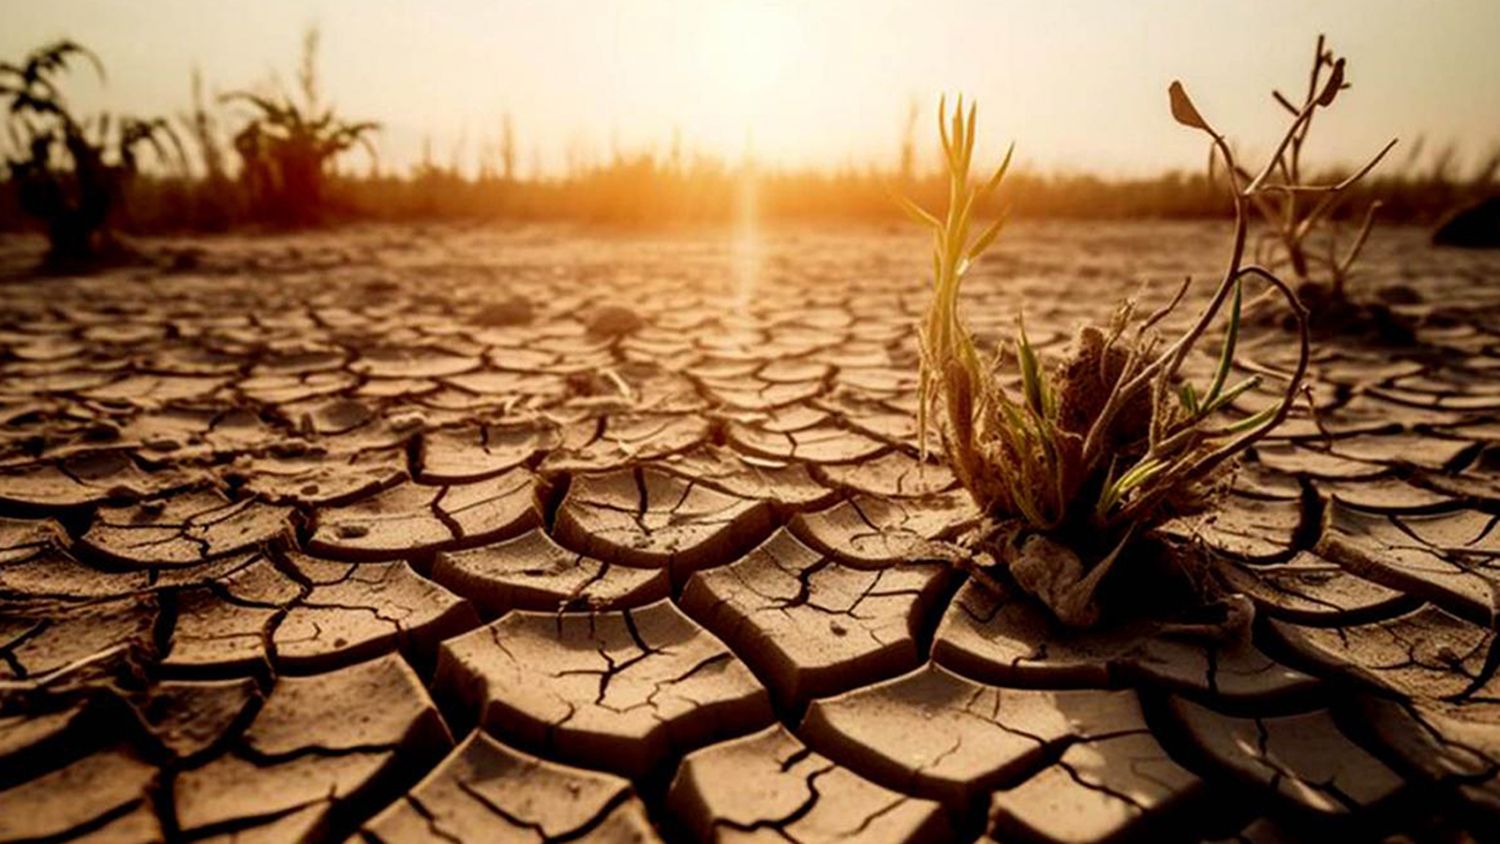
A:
(542, 535)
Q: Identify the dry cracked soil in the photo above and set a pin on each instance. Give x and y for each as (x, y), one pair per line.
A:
(468, 535)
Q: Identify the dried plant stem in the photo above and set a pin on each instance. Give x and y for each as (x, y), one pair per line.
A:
(1281, 204)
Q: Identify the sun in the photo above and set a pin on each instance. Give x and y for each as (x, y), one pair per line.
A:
(748, 52)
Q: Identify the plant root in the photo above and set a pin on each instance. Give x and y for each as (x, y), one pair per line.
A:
(1186, 602)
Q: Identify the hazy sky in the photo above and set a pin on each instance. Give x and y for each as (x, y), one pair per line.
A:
(1079, 85)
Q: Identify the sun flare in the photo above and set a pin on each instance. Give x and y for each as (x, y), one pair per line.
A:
(748, 53)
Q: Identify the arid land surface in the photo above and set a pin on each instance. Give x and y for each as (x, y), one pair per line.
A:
(539, 535)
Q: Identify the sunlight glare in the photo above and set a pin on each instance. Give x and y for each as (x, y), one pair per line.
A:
(745, 243)
(749, 48)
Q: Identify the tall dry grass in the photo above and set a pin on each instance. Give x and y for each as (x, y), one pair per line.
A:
(218, 190)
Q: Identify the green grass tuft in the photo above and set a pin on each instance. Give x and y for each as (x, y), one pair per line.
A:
(1116, 439)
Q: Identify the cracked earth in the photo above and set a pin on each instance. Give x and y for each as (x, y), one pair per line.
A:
(469, 535)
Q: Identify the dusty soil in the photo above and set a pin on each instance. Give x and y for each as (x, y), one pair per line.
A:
(541, 535)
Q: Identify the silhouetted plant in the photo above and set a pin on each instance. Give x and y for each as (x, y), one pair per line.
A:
(1301, 232)
(71, 174)
(1112, 444)
(214, 201)
(288, 145)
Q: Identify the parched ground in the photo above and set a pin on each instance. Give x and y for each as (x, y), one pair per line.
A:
(465, 535)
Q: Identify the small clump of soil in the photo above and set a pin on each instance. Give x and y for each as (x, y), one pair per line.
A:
(514, 310)
(613, 321)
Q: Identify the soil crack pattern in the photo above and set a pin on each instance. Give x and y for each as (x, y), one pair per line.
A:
(549, 536)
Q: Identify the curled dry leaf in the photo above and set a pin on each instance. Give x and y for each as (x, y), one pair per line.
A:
(1183, 110)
